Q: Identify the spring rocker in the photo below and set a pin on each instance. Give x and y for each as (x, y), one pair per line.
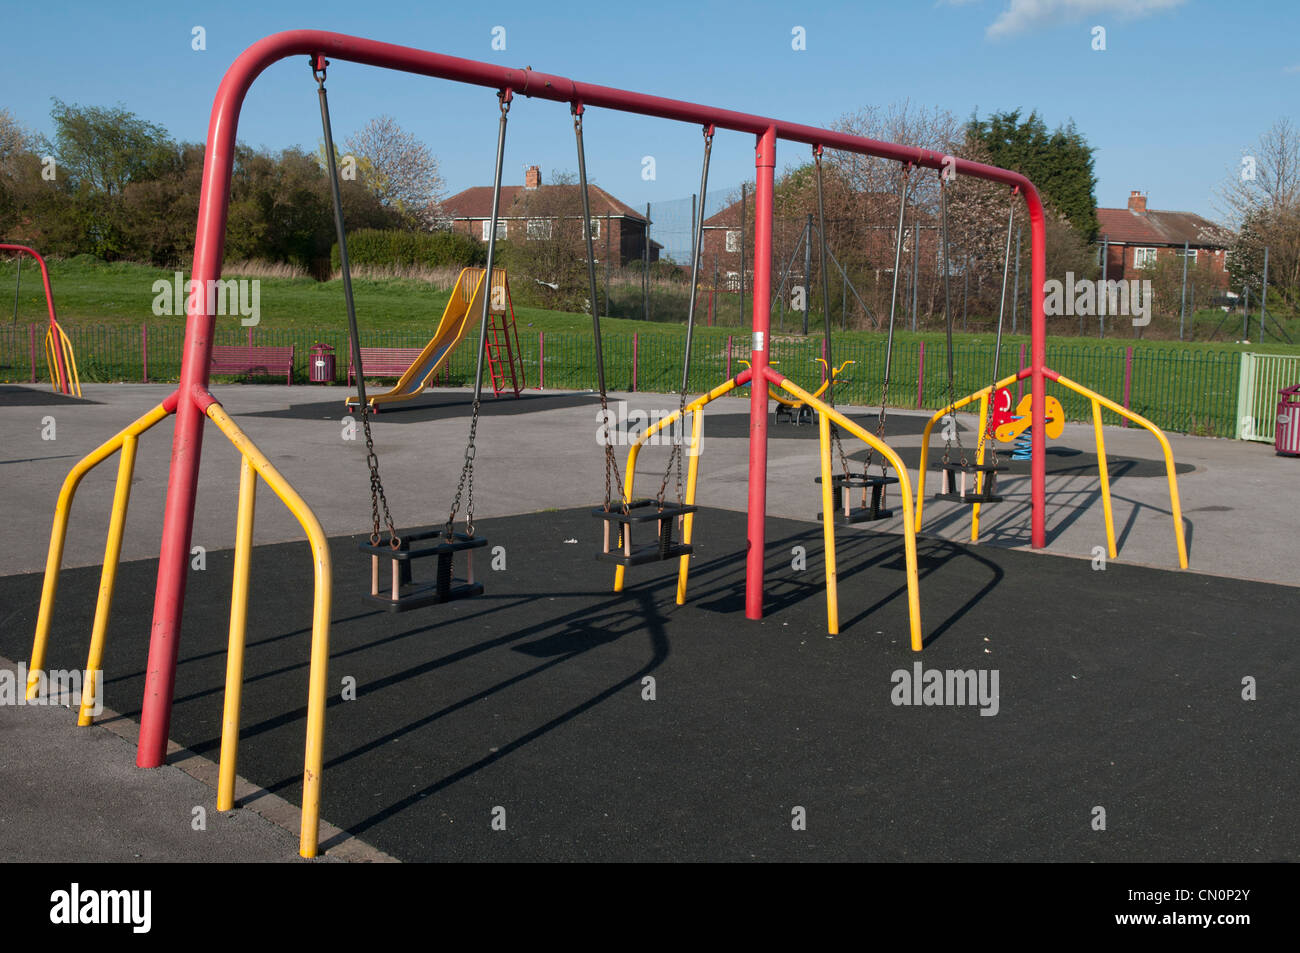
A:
(59, 358)
(796, 411)
(193, 407)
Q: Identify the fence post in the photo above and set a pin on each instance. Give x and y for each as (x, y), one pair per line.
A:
(635, 337)
(729, 340)
(1020, 366)
(1128, 378)
(250, 335)
(31, 336)
(541, 360)
(920, 375)
(144, 350)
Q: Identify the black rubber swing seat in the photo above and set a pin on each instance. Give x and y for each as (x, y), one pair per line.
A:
(871, 510)
(957, 489)
(796, 415)
(618, 546)
(403, 594)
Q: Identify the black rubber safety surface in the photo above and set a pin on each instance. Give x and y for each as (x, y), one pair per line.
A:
(15, 395)
(432, 406)
(1119, 690)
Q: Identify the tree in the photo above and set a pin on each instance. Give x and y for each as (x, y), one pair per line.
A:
(1262, 199)
(105, 149)
(399, 170)
(1059, 163)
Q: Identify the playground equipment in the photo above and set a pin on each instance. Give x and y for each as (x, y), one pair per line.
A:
(796, 411)
(502, 347)
(665, 515)
(402, 593)
(193, 404)
(845, 482)
(59, 358)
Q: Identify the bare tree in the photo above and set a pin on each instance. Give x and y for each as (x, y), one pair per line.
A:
(399, 169)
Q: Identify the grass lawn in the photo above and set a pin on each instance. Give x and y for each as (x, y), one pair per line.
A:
(121, 294)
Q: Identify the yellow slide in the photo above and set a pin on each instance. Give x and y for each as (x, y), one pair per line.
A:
(465, 303)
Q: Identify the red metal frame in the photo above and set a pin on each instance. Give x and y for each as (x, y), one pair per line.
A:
(187, 443)
(64, 383)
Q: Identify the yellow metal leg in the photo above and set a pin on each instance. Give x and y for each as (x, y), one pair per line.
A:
(107, 579)
(828, 527)
(1103, 471)
(905, 492)
(238, 623)
(688, 521)
(979, 474)
(318, 678)
(59, 533)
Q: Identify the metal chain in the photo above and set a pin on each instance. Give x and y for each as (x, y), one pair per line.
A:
(466, 478)
(377, 497)
(947, 313)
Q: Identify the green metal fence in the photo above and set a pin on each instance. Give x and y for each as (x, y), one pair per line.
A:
(1182, 391)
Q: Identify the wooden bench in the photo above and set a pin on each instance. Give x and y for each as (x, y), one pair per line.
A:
(249, 359)
(384, 361)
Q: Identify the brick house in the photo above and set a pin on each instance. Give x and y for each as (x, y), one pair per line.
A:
(873, 238)
(525, 215)
(1136, 237)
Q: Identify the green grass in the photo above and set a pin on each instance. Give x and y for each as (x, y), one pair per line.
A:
(118, 294)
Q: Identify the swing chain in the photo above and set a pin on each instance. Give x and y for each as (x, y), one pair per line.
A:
(377, 497)
(947, 313)
(466, 485)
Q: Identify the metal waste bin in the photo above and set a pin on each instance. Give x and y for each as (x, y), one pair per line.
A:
(1286, 439)
(320, 368)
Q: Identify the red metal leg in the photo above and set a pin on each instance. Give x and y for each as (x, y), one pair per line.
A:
(765, 164)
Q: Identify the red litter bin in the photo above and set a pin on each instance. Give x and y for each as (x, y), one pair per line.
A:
(1287, 436)
(320, 368)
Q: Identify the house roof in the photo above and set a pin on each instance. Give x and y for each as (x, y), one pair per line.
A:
(476, 202)
(1161, 228)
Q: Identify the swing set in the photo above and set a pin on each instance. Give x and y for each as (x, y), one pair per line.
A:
(193, 404)
(59, 358)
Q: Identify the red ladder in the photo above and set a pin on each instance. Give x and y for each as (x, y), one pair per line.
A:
(504, 359)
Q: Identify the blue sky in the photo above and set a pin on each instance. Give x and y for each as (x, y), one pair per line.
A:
(1181, 91)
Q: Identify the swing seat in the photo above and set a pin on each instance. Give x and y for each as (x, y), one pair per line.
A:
(870, 510)
(797, 414)
(957, 489)
(618, 547)
(402, 593)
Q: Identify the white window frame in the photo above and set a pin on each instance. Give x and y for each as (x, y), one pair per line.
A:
(540, 229)
(594, 227)
(733, 240)
(1191, 254)
(502, 230)
(1144, 256)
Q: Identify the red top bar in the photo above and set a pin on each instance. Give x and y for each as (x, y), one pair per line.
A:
(529, 82)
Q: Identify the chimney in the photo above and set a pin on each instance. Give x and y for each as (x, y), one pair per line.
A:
(1137, 201)
(533, 177)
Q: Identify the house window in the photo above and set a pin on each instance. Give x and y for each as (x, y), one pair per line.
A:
(501, 229)
(1144, 257)
(732, 281)
(733, 240)
(539, 229)
(595, 229)
(1191, 254)
(1225, 260)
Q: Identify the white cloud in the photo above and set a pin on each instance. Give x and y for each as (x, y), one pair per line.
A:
(1023, 15)
(1292, 69)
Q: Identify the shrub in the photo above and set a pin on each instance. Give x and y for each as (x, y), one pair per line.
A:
(390, 246)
